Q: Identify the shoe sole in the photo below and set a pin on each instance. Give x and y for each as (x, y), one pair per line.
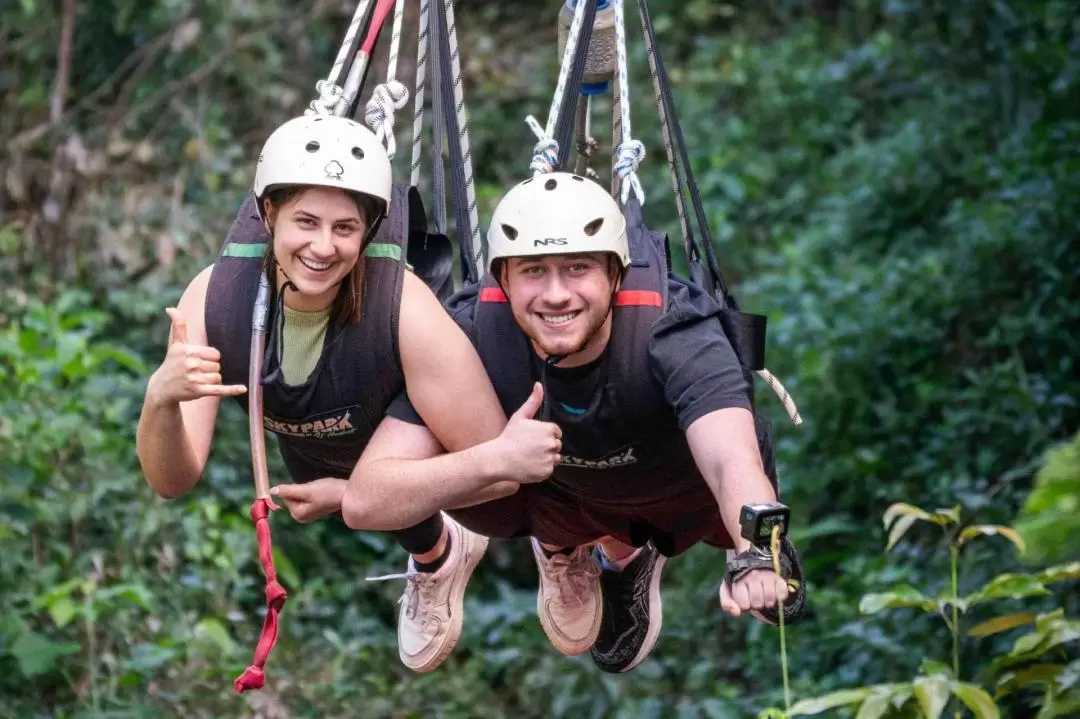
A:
(553, 635)
(656, 615)
(475, 549)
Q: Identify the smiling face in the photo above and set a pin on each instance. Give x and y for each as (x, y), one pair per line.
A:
(562, 302)
(318, 237)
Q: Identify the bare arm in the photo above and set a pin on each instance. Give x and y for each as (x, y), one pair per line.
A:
(404, 477)
(444, 377)
(173, 438)
(725, 448)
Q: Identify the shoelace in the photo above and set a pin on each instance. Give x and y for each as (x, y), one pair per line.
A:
(572, 575)
(420, 586)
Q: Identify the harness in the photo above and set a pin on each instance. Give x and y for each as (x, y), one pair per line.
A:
(430, 253)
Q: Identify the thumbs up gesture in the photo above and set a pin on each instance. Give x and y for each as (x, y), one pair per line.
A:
(189, 371)
(531, 448)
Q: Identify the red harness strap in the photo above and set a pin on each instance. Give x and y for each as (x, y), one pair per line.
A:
(254, 677)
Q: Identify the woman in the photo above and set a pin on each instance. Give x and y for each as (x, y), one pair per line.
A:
(349, 328)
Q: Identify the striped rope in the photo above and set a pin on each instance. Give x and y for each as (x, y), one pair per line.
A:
(546, 151)
(330, 90)
(391, 95)
(629, 152)
(463, 140)
(418, 100)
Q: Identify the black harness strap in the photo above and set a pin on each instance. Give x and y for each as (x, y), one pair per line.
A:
(746, 331)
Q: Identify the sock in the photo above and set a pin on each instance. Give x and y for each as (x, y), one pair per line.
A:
(617, 566)
(432, 567)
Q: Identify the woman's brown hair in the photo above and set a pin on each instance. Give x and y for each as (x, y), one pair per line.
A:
(349, 304)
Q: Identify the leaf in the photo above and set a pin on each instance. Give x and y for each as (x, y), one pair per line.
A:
(1044, 673)
(945, 517)
(976, 699)
(286, 569)
(843, 697)
(1061, 573)
(874, 707)
(901, 596)
(933, 667)
(976, 530)
(216, 632)
(932, 694)
(903, 524)
(37, 655)
(1008, 586)
(1001, 624)
(902, 509)
(62, 612)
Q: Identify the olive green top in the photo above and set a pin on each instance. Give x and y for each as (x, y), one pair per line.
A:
(302, 343)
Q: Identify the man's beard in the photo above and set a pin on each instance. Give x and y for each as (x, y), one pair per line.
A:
(559, 347)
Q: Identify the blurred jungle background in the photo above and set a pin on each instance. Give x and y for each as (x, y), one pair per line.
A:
(895, 183)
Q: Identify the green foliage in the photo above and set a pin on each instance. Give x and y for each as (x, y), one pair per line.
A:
(1026, 664)
(894, 183)
(1051, 516)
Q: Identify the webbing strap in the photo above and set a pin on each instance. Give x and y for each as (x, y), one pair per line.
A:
(457, 159)
(685, 178)
(564, 125)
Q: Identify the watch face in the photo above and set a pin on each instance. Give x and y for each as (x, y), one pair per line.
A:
(767, 523)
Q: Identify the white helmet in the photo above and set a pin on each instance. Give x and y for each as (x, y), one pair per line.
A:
(557, 213)
(326, 151)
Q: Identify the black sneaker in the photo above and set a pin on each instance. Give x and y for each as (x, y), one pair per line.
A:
(633, 613)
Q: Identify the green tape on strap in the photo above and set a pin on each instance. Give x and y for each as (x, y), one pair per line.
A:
(250, 251)
(257, 250)
(383, 249)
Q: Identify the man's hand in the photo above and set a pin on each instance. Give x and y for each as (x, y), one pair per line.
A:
(759, 589)
(311, 500)
(529, 448)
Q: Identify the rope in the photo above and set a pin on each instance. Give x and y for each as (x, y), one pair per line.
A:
(630, 152)
(418, 100)
(546, 151)
(329, 90)
(463, 141)
(390, 95)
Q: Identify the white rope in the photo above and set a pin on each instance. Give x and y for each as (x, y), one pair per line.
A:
(630, 152)
(463, 140)
(390, 95)
(418, 100)
(546, 151)
(330, 90)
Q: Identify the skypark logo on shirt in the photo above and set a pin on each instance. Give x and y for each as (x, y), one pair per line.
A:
(618, 458)
(323, 426)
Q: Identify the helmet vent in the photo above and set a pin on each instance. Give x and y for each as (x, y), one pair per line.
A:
(578, 178)
(358, 153)
(551, 184)
(312, 146)
(593, 227)
(510, 232)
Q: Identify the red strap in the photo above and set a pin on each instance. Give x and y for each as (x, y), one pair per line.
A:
(623, 298)
(254, 677)
(637, 298)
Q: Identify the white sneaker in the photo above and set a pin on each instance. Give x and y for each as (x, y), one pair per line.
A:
(568, 602)
(432, 611)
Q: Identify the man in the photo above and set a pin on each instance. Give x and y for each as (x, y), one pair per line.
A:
(659, 443)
